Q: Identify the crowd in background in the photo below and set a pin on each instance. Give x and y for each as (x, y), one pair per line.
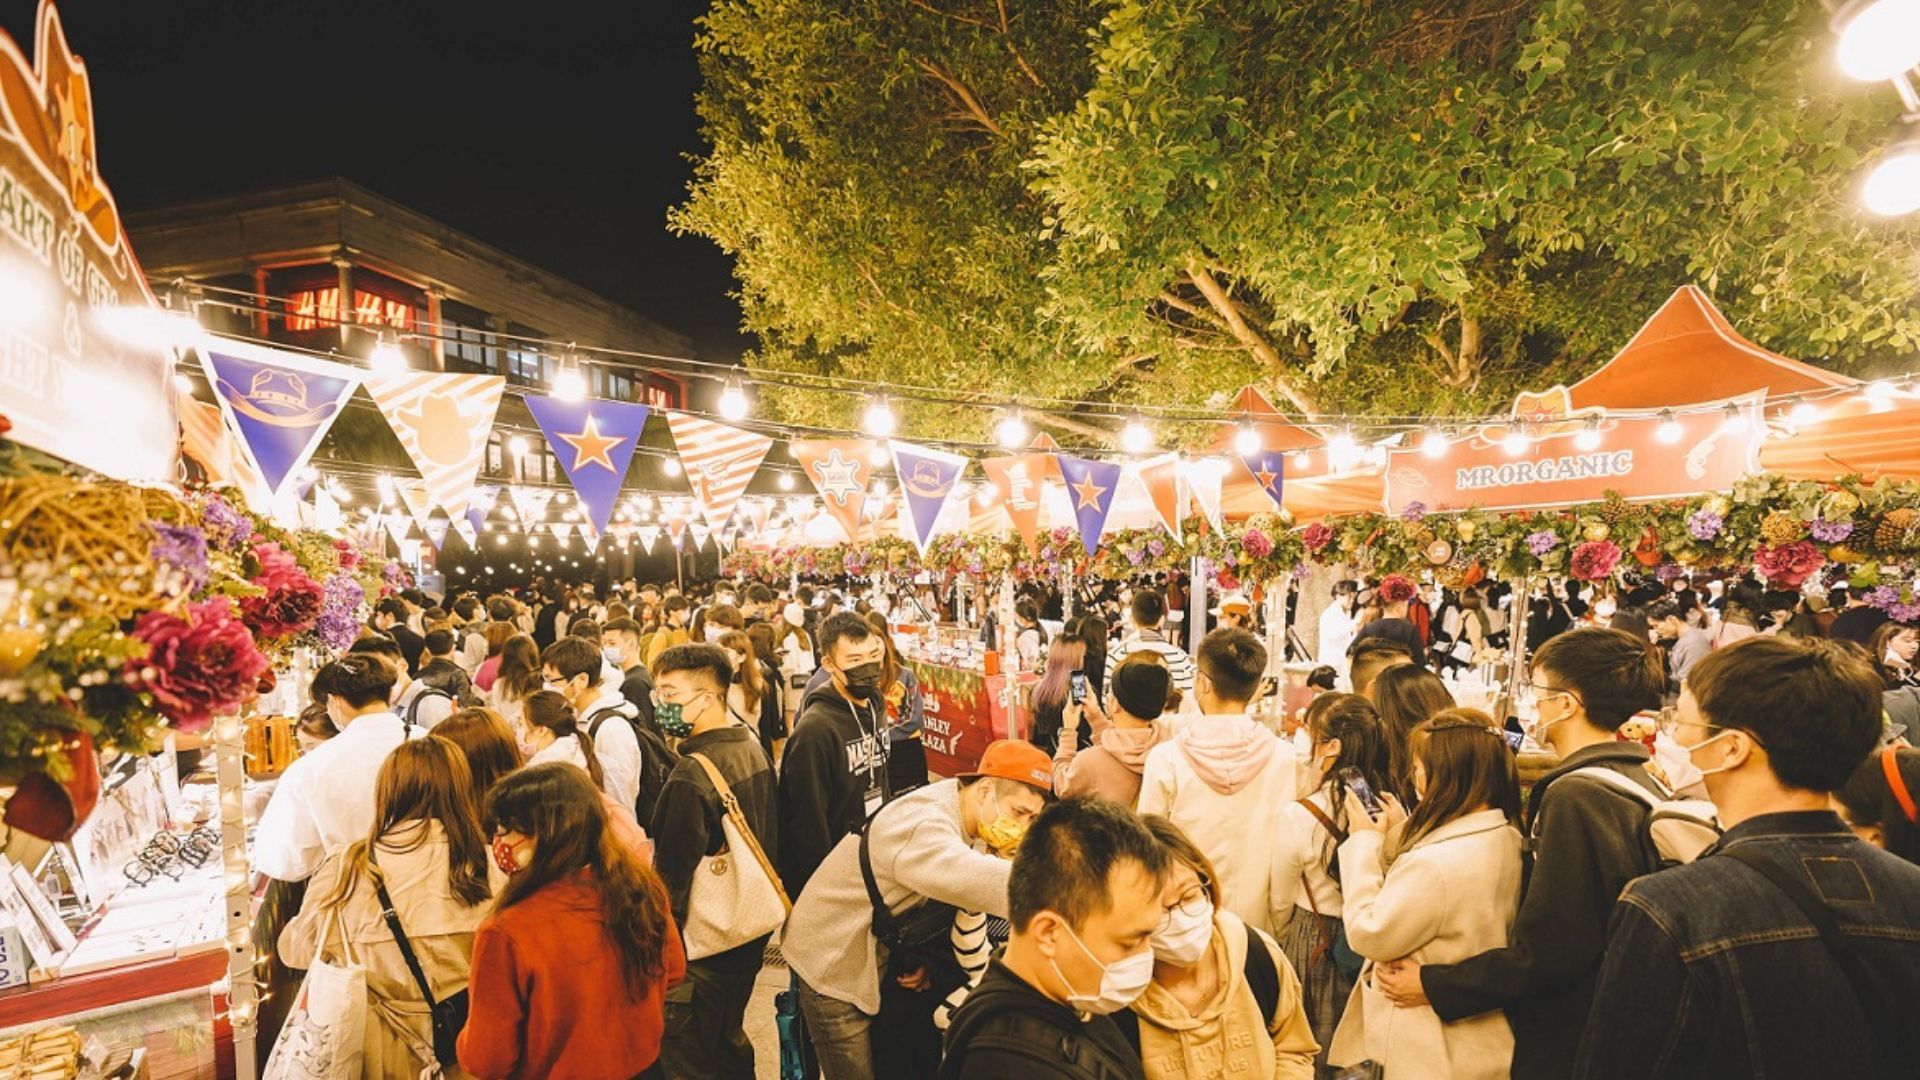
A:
(1158, 878)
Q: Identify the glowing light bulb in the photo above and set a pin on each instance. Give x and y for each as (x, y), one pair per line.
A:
(984, 497)
(1136, 437)
(1736, 421)
(1802, 412)
(1589, 437)
(786, 481)
(1302, 459)
(1880, 39)
(569, 384)
(1892, 188)
(1343, 450)
(386, 358)
(733, 401)
(1012, 430)
(517, 446)
(385, 484)
(1669, 430)
(183, 383)
(1515, 442)
(1434, 443)
(879, 420)
(1246, 439)
(670, 466)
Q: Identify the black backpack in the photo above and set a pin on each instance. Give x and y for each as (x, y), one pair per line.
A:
(999, 1019)
(656, 761)
(413, 707)
(1263, 978)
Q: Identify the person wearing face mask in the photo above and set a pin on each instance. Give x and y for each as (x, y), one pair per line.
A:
(861, 994)
(1788, 948)
(1085, 896)
(673, 629)
(705, 1014)
(325, 799)
(1589, 837)
(1448, 891)
(621, 640)
(834, 772)
(1337, 625)
(1344, 732)
(1223, 1000)
(574, 666)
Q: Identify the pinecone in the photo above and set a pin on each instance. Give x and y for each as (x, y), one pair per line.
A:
(1781, 527)
(1614, 509)
(1895, 532)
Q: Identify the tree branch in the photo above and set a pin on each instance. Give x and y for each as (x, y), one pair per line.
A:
(1249, 338)
(924, 6)
(1006, 32)
(967, 101)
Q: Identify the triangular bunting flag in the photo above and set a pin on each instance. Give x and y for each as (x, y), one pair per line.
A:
(279, 403)
(1090, 488)
(436, 530)
(414, 494)
(718, 461)
(841, 470)
(326, 512)
(1268, 468)
(594, 441)
(759, 511)
(927, 478)
(442, 420)
(676, 526)
(464, 530)
(396, 526)
(592, 542)
(530, 503)
(1017, 482)
(1203, 480)
(1164, 477)
(481, 503)
(562, 531)
(649, 535)
(701, 533)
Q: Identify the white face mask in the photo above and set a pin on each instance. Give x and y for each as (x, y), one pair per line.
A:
(1604, 609)
(1184, 938)
(715, 633)
(1704, 773)
(1121, 982)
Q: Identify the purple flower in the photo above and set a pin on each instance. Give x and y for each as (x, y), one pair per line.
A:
(1156, 547)
(1704, 524)
(1669, 572)
(1135, 556)
(1227, 560)
(180, 555)
(1542, 542)
(1414, 511)
(339, 621)
(226, 527)
(1883, 597)
(1831, 532)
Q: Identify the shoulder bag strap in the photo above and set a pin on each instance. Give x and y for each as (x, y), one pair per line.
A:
(739, 817)
(1871, 1003)
(399, 934)
(1263, 978)
(882, 917)
(1339, 835)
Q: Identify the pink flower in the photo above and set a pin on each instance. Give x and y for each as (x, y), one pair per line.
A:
(197, 666)
(1789, 565)
(1397, 589)
(1316, 536)
(1256, 543)
(1594, 560)
(349, 555)
(292, 600)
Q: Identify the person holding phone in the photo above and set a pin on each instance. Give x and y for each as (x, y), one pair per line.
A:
(1111, 767)
(1055, 691)
(1451, 892)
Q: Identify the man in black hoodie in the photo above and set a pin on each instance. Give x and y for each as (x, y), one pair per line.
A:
(1589, 836)
(834, 772)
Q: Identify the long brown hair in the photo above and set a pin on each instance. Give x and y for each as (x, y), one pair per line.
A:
(422, 781)
(746, 674)
(1406, 697)
(519, 674)
(1468, 765)
(549, 710)
(487, 742)
(1364, 745)
(497, 635)
(555, 805)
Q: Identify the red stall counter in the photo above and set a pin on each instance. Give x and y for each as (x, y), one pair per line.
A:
(966, 710)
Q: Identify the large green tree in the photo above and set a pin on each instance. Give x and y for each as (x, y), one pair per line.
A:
(1398, 206)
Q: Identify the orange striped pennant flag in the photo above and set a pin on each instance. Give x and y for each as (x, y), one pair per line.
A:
(442, 419)
(719, 461)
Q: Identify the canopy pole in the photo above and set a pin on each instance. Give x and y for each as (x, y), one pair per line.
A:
(1516, 649)
(1196, 604)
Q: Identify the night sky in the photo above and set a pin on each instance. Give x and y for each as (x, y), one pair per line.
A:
(557, 131)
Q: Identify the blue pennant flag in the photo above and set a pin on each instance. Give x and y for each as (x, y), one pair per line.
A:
(279, 403)
(1269, 469)
(594, 441)
(1090, 488)
(927, 477)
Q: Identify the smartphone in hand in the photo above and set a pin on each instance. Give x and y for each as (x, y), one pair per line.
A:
(1362, 790)
(1077, 687)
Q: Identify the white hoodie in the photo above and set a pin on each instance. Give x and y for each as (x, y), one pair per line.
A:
(1224, 780)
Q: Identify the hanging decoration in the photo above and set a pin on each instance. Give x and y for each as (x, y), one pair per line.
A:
(480, 505)
(1164, 479)
(594, 441)
(280, 404)
(1091, 486)
(1018, 482)
(436, 530)
(413, 493)
(562, 531)
(464, 530)
(530, 503)
(927, 478)
(442, 420)
(701, 533)
(841, 469)
(649, 536)
(1268, 469)
(718, 461)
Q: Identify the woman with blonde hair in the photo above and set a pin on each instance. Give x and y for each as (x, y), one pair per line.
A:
(427, 852)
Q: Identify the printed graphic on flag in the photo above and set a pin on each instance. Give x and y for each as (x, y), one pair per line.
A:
(719, 462)
(442, 421)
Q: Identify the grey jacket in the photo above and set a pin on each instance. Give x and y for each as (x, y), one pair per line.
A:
(919, 852)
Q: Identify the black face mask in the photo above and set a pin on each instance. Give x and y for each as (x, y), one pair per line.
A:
(863, 680)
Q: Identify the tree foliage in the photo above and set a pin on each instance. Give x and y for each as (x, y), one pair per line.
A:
(1396, 206)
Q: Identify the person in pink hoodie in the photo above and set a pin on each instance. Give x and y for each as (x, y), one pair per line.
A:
(1225, 778)
(1111, 767)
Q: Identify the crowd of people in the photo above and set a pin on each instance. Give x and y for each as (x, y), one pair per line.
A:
(563, 834)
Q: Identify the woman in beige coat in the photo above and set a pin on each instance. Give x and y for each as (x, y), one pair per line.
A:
(1450, 892)
(427, 848)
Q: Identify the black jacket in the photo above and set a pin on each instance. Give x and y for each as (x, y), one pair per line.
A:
(445, 675)
(637, 688)
(686, 821)
(1589, 840)
(834, 761)
(412, 645)
(1006, 1028)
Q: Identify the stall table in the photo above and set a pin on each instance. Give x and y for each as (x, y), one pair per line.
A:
(966, 710)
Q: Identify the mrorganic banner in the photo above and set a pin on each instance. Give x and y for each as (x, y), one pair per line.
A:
(66, 270)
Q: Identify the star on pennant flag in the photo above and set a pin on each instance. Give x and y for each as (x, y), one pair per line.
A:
(589, 446)
(594, 441)
(1269, 470)
(841, 470)
(1093, 484)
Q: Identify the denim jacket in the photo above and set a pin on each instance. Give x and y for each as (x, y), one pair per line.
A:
(1711, 971)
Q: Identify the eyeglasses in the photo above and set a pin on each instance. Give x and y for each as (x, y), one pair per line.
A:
(1549, 691)
(1192, 902)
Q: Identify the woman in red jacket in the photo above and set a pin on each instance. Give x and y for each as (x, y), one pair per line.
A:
(570, 970)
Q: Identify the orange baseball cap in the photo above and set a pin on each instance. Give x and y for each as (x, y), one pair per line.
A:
(1016, 760)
